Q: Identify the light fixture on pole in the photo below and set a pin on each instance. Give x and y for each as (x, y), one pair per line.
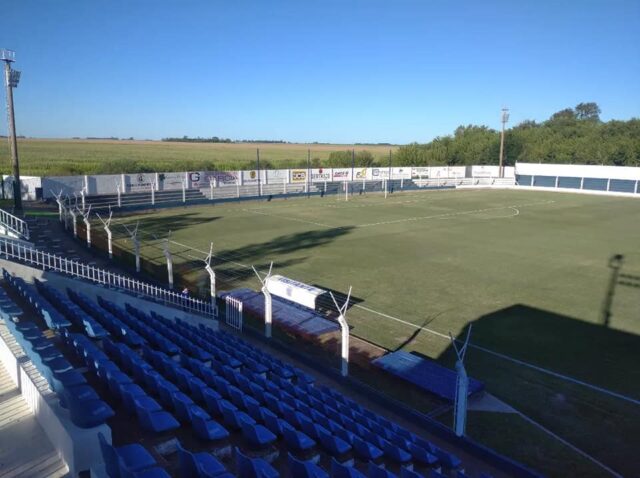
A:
(505, 118)
(12, 78)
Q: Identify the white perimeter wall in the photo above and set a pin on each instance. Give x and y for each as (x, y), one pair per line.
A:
(107, 184)
(578, 171)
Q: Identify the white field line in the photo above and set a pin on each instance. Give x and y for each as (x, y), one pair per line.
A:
(454, 214)
(370, 202)
(569, 445)
(295, 219)
(408, 219)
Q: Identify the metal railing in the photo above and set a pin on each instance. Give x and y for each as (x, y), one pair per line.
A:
(18, 252)
(14, 224)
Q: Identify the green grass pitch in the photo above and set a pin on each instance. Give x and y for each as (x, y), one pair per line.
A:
(530, 270)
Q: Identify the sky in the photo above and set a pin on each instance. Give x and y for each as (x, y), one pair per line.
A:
(339, 71)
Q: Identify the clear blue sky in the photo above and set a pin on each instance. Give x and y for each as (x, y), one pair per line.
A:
(303, 70)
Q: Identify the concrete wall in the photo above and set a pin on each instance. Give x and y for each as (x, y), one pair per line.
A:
(578, 170)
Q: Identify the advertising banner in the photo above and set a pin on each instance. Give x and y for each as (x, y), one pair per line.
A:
(378, 173)
(298, 175)
(201, 179)
(139, 182)
(167, 181)
(250, 177)
(485, 171)
(321, 175)
(294, 291)
(341, 174)
(277, 176)
(420, 172)
(360, 173)
(401, 173)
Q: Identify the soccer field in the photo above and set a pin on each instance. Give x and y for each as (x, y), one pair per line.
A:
(532, 271)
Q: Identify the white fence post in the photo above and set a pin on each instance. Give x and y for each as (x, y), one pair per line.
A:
(268, 302)
(344, 329)
(167, 255)
(107, 229)
(212, 280)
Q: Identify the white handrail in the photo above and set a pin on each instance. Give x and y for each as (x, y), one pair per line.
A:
(20, 252)
(15, 224)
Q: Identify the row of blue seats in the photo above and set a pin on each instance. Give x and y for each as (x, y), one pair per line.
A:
(167, 391)
(110, 322)
(233, 351)
(8, 306)
(399, 444)
(150, 415)
(368, 425)
(53, 319)
(143, 330)
(70, 310)
(86, 409)
(243, 352)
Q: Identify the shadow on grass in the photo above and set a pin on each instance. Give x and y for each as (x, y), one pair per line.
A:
(590, 352)
(160, 226)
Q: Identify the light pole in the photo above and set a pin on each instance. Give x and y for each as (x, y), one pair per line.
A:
(505, 118)
(12, 77)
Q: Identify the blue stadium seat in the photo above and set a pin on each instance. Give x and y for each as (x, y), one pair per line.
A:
(395, 453)
(297, 441)
(421, 455)
(87, 413)
(375, 471)
(272, 422)
(253, 468)
(448, 460)
(366, 450)
(155, 421)
(198, 465)
(257, 435)
(128, 394)
(134, 457)
(205, 427)
(407, 473)
(304, 469)
(333, 445)
(234, 418)
(342, 471)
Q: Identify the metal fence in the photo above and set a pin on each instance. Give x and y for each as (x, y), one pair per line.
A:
(21, 253)
(14, 224)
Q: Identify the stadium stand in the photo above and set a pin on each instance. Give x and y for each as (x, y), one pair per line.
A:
(196, 401)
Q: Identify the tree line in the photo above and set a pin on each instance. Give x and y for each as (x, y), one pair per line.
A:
(572, 135)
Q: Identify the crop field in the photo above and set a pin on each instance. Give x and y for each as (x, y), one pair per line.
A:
(548, 280)
(41, 157)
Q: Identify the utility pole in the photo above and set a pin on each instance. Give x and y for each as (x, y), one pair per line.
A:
(258, 166)
(505, 118)
(12, 77)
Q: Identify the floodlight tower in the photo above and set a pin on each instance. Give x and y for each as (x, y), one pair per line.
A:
(505, 118)
(12, 78)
